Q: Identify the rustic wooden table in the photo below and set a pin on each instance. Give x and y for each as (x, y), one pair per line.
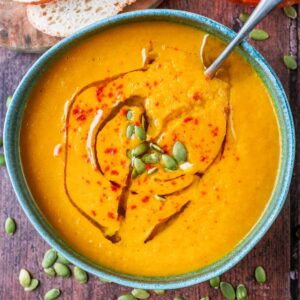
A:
(278, 251)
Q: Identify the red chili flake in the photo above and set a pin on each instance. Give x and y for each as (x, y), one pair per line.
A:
(237, 158)
(75, 111)
(174, 182)
(99, 92)
(203, 158)
(124, 112)
(210, 125)
(137, 123)
(123, 163)
(120, 86)
(116, 129)
(133, 206)
(111, 215)
(156, 103)
(147, 84)
(87, 181)
(165, 148)
(197, 96)
(81, 117)
(98, 182)
(94, 213)
(203, 193)
(106, 168)
(114, 172)
(188, 119)
(110, 94)
(145, 199)
(174, 137)
(155, 83)
(215, 131)
(196, 121)
(148, 167)
(114, 188)
(111, 150)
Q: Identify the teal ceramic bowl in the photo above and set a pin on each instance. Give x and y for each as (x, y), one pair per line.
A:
(12, 150)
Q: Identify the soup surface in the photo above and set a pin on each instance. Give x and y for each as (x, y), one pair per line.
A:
(138, 161)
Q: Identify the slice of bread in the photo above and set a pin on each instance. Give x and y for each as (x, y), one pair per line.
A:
(32, 1)
(63, 17)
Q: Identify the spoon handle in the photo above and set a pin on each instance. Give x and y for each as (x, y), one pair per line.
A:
(263, 8)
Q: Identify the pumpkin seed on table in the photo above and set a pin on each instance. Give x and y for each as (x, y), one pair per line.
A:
(260, 275)
(80, 275)
(179, 152)
(290, 62)
(10, 226)
(215, 282)
(50, 271)
(8, 101)
(24, 278)
(49, 259)
(244, 17)
(227, 290)
(178, 298)
(159, 292)
(156, 148)
(140, 133)
(62, 259)
(139, 166)
(140, 149)
(129, 131)
(52, 294)
(151, 158)
(140, 294)
(127, 297)
(152, 171)
(169, 162)
(62, 270)
(258, 35)
(129, 115)
(290, 12)
(2, 160)
(33, 285)
(205, 298)
(241, 292)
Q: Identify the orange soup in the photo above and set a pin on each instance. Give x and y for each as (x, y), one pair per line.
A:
(138, 161)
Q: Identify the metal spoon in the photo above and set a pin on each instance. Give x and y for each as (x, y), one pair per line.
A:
(263, 8)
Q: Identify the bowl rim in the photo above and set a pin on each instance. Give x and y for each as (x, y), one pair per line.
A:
(13, 160)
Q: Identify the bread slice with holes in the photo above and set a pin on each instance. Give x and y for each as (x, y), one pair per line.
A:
(63, 17)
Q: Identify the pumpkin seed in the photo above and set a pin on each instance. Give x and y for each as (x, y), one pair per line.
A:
(151, 158)
(134, 173)
(49, 259)
(140, 149)
(2, 160)
(24, 278)
(127, 297)
(156, 148)
(178, 298)
(241, 292)
(169, 162)
(159, 292)
(33, 285)
(215, 282)
(80, 275)
(152, 171)
(179, 152)
(52, 294)
(205, 298)
(10, 226)
(140, 133)
(258, 35)
(129, 115)
(128, 153)
(62, 270)
(244, 17)
(260, 275)
(50, 271)
(290, 62)
(140, 294)
(8, 101)
(129, 131)
(62, 259)
(139, 166)
(290, 12)
(227, 290)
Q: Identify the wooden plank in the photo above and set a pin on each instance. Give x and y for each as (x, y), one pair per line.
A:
(26, 248)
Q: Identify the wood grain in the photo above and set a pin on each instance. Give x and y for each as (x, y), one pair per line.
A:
(278, 251)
